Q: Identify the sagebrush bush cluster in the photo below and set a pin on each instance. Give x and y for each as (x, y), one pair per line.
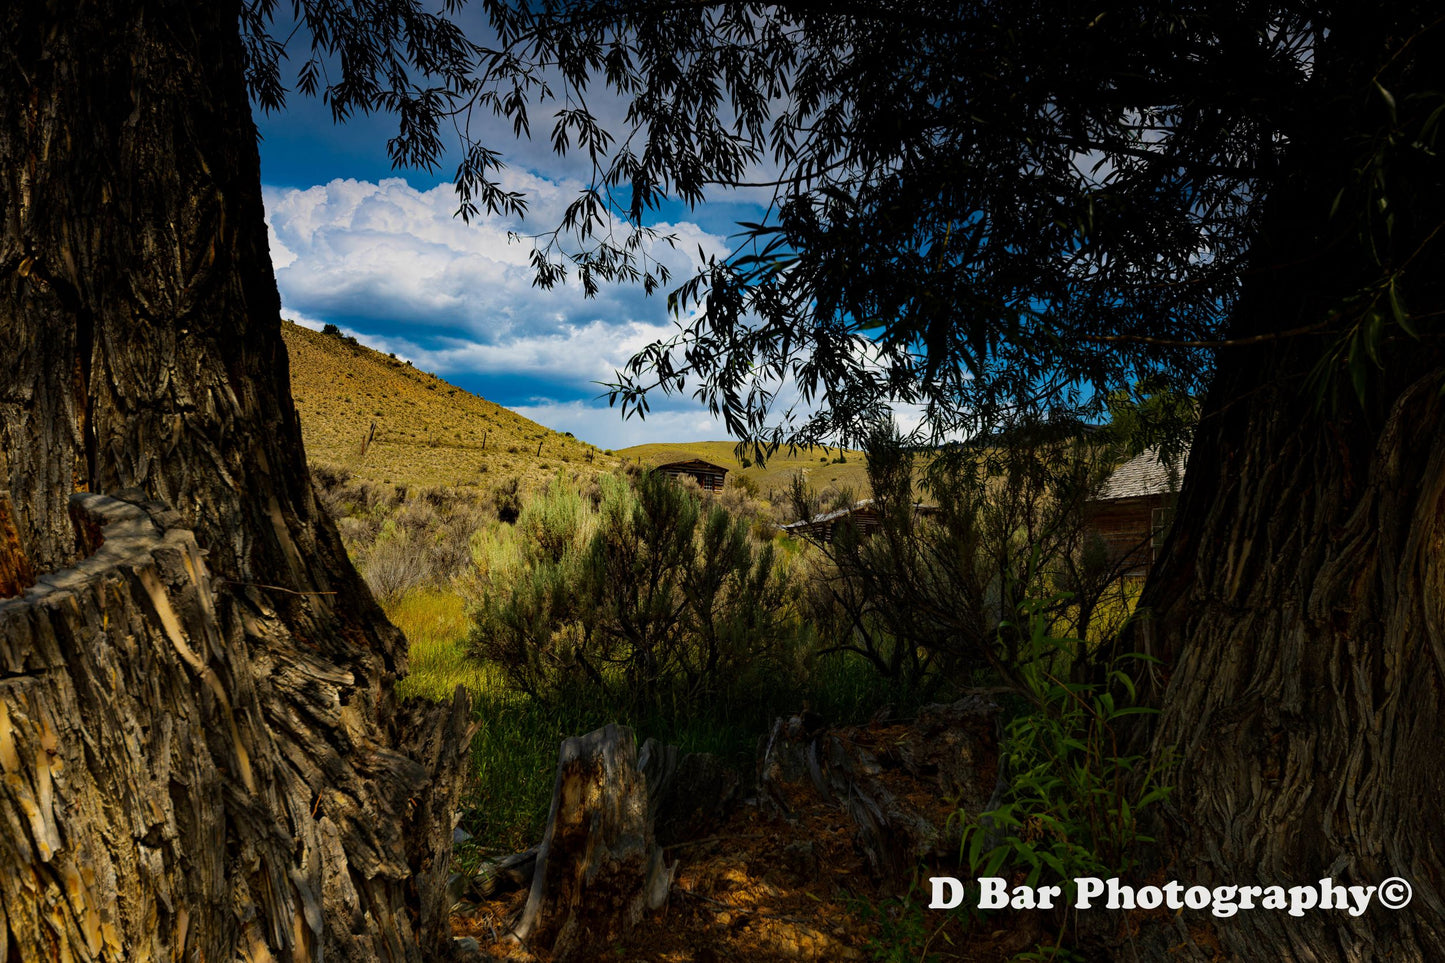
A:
(402, 539)
(637, 597)
(648, 598)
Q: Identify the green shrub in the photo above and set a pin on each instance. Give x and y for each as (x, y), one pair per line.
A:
(555, 523)
(508, 498)
(1075, 795)
(394, 563)
(744, 484)
(650, 601)
(931, 597)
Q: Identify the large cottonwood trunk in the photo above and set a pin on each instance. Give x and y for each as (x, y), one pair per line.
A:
(1300, 607)
(1307, 694)
(202, 756)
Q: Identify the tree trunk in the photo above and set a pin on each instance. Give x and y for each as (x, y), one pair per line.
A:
(1300, 606)
(201, 751)
(1305, 704)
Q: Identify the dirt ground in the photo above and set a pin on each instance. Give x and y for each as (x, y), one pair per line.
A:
(764, 888)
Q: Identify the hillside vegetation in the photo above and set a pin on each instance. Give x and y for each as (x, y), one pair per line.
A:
(385, 421)
(820, 466)
(611, 594)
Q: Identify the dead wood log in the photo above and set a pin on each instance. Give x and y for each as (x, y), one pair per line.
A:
(896, 782)
(688, 794)
(495, 877)
(598, 867)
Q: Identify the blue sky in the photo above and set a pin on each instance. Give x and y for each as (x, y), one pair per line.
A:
(379, 253)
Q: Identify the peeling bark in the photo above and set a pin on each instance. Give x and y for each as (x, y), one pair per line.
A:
(204, 756)
(153, 802)
(1306, 698)
(1299, 607)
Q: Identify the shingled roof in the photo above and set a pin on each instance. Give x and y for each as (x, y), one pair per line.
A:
(826, 517)
(1144, 475)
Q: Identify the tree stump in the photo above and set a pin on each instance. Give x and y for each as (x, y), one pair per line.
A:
(688, 795)
(598, 868)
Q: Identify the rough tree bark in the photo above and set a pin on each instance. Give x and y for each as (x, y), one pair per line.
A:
(1301, 602)
(598, 867)
(201, 753)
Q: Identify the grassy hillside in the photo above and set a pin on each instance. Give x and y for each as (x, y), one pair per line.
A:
(819, 466)
(388, 422)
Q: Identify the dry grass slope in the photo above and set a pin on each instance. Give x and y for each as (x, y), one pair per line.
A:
(389, 422)
(819, 465)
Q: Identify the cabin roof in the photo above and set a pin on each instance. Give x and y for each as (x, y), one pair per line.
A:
(693, 464)
(829, 516)
(859, 506)
(1144, 475)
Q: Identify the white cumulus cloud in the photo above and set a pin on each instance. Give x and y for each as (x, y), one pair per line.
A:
(392, 253)
(394, 266)
(605, 426)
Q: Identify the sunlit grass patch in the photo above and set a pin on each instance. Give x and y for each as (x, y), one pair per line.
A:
(435, 624)
(514, 752)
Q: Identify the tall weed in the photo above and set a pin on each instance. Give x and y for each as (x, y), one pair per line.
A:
(1075, 795)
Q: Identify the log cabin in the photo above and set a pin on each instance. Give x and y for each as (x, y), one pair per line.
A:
(711, 477)
(863, 515)
(820, 528)
(1133, 509)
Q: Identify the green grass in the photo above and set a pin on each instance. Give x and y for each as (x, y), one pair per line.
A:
(435, 624)
(514, 753)
(514, 761)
